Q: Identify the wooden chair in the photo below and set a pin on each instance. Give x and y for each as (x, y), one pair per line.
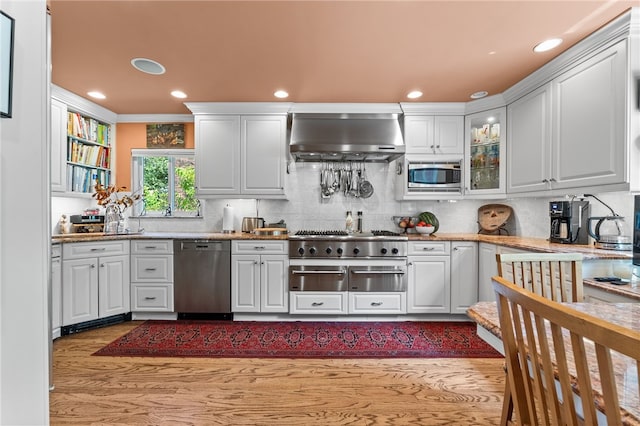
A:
(556, 276)
(537, 354)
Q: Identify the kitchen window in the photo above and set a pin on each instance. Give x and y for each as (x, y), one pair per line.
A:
(166, 180)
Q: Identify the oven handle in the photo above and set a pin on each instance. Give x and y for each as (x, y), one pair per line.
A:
(377, 272)
(340, 272)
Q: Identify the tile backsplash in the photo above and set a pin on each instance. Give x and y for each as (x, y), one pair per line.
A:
(305, 209)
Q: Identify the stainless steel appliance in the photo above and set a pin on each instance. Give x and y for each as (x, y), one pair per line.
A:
(338, 261)
(202, 277)
(569, 222)
(435, 176)
(613, 240)
(346, 137)
(251, 223)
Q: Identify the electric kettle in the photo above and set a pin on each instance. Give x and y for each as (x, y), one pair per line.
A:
(251, 223)
(609, 241)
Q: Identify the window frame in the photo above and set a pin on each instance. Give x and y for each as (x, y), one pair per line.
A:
(138, 209)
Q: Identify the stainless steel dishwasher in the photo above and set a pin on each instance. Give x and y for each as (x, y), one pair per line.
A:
(202, 276)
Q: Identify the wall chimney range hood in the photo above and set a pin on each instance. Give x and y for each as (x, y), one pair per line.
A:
(368, 137)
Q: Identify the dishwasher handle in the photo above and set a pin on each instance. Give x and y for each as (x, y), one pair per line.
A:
(203, 245)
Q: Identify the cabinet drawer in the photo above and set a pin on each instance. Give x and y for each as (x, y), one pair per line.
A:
(151, 246)
(429, 247)
(152, 297)
(318, 302)
(102, 248)
(260, 247)
(378, 303)
(152, 268)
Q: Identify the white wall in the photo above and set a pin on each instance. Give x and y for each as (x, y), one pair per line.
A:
(306, 210)
(24, 226)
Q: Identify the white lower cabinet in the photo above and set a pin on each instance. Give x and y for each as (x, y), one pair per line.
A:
(95, 281)
(319, 302)
(464, 275)
(487, 268)
(429, 284)
(259, 276)
(152, 276)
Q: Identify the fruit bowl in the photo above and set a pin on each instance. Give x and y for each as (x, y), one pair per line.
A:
(426, 230)
(405, 222)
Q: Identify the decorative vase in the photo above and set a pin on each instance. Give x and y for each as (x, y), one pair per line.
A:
(114, 221)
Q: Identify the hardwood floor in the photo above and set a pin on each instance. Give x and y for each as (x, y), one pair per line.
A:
(100, 390)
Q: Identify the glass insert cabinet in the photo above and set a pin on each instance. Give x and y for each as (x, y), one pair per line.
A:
(485, 143)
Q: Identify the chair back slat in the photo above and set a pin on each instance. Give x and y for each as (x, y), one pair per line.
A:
(555, 354)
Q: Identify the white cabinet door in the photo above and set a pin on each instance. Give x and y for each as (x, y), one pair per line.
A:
(263, 154)
(448, 134)
(274, 295)
(79, 290)
(589, 121)
(56, 296)
(418, 134)
(428, 289)
(464, 275)
(58, 146)
(245, 283)
(529, 131)
(487, 268)
(217, 147)
(113, 282)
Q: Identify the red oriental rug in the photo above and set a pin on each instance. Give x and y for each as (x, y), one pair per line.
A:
(252, 339)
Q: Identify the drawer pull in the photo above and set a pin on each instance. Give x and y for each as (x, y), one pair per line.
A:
(363, 272)
(338, 272)
(99, 249)
(150, 298)
(259, 248)
(428, 248)
(151, 247)
(317, 303)
(150, 269)
(376, 303)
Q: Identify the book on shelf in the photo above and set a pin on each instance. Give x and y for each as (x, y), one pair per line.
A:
(88, 128)
(83, 179)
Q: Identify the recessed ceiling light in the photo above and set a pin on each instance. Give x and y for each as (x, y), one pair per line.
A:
(96, 95)
(148, 66)
(178, 94)
(414, 94)
(281, 94)
(478, 95)
(547, 45)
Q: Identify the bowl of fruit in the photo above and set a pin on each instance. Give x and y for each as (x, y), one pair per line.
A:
(406, 222)
(427, 223)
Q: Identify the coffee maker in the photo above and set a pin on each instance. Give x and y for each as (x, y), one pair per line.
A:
(569, 222)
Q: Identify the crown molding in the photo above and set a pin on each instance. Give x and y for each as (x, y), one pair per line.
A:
(155, 118)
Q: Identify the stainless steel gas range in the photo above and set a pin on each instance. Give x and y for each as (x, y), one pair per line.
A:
(336, 261)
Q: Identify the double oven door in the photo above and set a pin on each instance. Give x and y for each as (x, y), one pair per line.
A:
(389, 275)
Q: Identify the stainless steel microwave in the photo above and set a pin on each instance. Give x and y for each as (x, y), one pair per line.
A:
(434, 176)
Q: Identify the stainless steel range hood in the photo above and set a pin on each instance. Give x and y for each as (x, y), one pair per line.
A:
(346, 137)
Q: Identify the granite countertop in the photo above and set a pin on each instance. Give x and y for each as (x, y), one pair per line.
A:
(99, 236)
(627, 315)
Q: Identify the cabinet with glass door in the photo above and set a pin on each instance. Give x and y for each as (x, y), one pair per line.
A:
(485, 145)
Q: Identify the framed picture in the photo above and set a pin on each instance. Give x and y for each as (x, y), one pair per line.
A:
(165, 135)
(6, 63)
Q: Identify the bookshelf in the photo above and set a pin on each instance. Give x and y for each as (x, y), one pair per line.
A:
(88, 153)
(82, 144)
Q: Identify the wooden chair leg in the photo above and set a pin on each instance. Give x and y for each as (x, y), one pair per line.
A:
(507, 406)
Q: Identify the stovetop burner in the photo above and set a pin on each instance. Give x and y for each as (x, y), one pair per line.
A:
(342, 233)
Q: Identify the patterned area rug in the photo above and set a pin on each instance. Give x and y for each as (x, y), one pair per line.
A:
(190, 338)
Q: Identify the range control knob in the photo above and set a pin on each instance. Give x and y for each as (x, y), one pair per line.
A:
(383, 251)
(301, 251)
(312, 250)
(328, 250)
(339, 251)
(394, 250)
(356, 250)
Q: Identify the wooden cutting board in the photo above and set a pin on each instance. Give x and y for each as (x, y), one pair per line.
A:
(270, 231)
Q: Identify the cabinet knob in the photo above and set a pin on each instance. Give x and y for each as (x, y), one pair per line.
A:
(93, 265)
(102, 265)
(552, 180)
(545, 180)
(255, 262)
(438, 146)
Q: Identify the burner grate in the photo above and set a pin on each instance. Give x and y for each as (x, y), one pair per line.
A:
(308, 232)
(384, 233)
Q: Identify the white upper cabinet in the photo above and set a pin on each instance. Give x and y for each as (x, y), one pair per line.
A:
(574, 124)
(529, 133)
(424, 134)
(243, 154)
